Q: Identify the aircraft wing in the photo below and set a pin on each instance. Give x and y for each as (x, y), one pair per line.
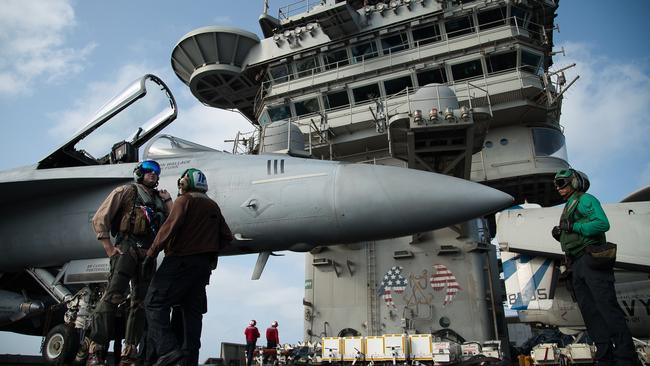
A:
(528, 231)
(21, 183)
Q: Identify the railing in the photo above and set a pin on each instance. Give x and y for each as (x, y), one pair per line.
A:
(418, 46)
(302, 6)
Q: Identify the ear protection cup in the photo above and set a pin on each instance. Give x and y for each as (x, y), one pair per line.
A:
(580, 181)
(193, 180)
(183, 182)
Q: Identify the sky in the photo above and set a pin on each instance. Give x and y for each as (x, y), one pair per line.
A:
(60, 60)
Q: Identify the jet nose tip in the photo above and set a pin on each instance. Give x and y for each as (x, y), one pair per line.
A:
(402, 201)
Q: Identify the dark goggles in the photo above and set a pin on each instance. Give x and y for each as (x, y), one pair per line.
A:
(149, 166)
(561, 182)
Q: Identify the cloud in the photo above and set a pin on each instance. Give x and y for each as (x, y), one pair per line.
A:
(209, 126)
(604, 112)
(33, 44)
(222, 19)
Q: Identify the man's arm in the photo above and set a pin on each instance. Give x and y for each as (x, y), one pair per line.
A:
(597, 222)
(167, 200)
(168, 230)
(104, 217)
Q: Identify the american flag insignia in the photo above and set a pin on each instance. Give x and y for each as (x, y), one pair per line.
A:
(393, 282)
(445, 278)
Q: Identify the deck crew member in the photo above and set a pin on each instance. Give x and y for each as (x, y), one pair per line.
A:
(272, 336)
(251, 334)
(132, 213)
(191, 237)
(581, 232)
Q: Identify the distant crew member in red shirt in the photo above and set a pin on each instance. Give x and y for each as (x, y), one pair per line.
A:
(251, 334)
(272, 336)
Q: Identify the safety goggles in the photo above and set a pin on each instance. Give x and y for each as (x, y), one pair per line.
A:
(150, 167)
(561, 182)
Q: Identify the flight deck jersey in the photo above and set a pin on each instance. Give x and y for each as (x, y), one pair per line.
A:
(589, 224)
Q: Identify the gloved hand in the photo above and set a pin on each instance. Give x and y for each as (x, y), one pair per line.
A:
(556, 232)
(566, 225)
(148, 265)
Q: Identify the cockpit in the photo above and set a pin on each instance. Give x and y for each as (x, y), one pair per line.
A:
(120, 128)
(167, 146)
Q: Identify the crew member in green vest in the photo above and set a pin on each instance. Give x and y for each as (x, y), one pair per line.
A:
(582, 228)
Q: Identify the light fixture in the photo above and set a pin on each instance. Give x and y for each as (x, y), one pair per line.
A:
(433, 114)
(464, 113)
(449, 114)
(417, 116)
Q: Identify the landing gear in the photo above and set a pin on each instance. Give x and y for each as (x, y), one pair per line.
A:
(60, 345)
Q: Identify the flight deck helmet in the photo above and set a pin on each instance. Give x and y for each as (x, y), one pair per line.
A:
(577, 179)
(145, 167)
(193, 180)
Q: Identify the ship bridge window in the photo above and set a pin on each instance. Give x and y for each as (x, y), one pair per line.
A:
(491, 18)
(459, 26)
(395, 86)
(531, 62)
(366, 92)
(308, 106)
(466, 70)
(279, 113)
(432, 76)
(336, 99)
(364, 51)
(518, 16)
(280, 73)
(394, 43)
(307, 66)
(549, 142)
(426, 34)
(336, 59)
(501, 62)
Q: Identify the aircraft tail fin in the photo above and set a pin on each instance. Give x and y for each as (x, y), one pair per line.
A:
(530, 281)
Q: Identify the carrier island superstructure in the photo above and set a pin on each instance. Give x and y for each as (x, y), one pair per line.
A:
(455, 86)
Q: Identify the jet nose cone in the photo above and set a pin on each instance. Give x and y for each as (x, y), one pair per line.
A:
(394, 201)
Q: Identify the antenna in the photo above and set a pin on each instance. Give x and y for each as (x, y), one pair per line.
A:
(266, 7)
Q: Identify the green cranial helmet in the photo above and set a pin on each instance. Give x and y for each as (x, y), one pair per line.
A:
(193, 180)
(577, 179)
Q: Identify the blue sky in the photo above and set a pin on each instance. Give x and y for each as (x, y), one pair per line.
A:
(60, 60)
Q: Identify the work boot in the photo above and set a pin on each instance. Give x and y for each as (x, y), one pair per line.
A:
(129, 356)
(169, 358)
(95, 355)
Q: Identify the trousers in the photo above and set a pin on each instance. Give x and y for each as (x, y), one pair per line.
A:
(604, 318)
(125, 271)
(180, 281)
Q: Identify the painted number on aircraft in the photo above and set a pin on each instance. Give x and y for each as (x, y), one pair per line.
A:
(540, 294)
(272, 166)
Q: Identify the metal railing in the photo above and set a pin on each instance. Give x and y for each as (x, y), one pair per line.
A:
(302, 6)
(388, 53)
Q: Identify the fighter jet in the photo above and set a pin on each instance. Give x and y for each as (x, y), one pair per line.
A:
(534, 286)
(272, 202)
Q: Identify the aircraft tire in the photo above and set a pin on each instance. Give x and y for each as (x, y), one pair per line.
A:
(60, 346)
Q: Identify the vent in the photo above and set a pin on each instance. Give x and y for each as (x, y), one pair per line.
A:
(401, 254)
(317, 262)
(448, 250)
